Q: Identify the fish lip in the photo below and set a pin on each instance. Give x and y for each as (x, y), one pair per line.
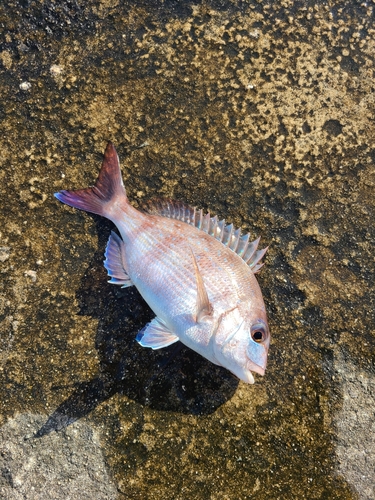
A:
(248, 377)
(255, 368)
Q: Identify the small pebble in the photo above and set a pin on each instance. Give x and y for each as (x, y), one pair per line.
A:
(4, 253)
(25, 86)
(31, 274)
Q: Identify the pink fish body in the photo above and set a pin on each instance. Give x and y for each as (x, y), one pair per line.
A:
(196, 274)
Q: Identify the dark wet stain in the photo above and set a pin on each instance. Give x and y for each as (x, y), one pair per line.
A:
(333, 127)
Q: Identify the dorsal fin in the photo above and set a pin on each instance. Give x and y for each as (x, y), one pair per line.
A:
(227, 234)
(173, 210)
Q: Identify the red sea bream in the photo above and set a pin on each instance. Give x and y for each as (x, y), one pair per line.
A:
(196, 273)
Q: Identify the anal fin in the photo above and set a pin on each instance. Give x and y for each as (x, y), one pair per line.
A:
(114, 261)
(156, 335)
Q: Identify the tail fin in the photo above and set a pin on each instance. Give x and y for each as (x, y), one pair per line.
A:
(109, 187)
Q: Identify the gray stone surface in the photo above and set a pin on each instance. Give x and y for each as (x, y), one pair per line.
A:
(262, 113)
(355, 423)
(65, 465)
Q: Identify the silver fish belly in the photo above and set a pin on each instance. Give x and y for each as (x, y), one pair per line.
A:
(196, 273)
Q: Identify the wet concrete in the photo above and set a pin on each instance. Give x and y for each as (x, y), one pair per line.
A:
(263, 114)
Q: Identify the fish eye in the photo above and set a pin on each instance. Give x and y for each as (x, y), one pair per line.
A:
(259, 332)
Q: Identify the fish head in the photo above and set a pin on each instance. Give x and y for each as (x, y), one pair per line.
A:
(241, 342)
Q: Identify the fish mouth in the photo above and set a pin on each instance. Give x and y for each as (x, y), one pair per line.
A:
(253, 367)
(246, 373)
(248, 377)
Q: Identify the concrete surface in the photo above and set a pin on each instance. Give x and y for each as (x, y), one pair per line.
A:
(262, 112)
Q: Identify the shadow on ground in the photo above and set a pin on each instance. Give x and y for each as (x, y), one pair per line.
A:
(171, 379)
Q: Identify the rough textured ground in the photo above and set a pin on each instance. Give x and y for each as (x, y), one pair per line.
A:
(261, 112)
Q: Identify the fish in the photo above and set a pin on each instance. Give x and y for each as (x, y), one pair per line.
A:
(195, 272)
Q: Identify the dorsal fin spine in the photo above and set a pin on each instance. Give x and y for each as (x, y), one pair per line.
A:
(243, 244)
(190, 215)
(257, 257)
(235, 240)
(221, 226)
(227, 236)
(257, 268)
(213, 226)
(250, 250)
(206, 223)
(199, 219)
(195, 216)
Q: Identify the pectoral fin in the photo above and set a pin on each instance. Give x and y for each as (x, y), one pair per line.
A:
(156, 335)
(114, 261)
(203, 307)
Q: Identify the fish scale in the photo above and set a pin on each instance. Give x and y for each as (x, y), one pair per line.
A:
(176, 268)
(195, 272)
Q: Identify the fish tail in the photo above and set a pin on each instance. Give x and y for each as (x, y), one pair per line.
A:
(108, 193)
